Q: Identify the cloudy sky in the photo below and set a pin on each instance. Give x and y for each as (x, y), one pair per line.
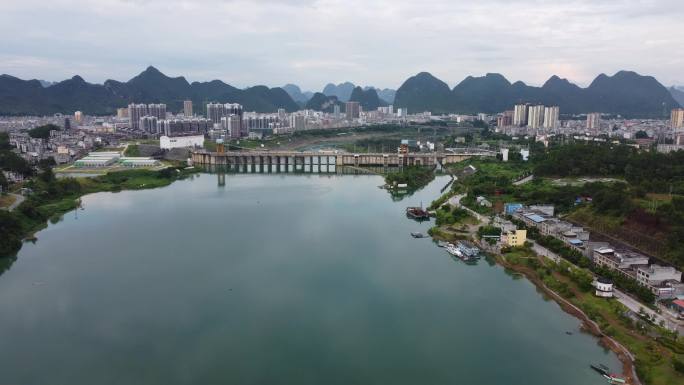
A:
(313, 42)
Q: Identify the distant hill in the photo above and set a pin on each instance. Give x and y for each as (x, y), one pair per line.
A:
(343, 91)
(386, 94)
(625, 93)
(424, 92)
(46, 83)
(29, 97)
(678, 94)
(368, 98)
(296, 93)
(322, 102)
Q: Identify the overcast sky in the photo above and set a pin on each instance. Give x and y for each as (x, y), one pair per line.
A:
(368, 42)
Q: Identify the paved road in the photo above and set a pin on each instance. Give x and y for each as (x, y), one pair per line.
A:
(629, 302)
(456, 202)
(523, 180)
(17, 201)
(635, 306)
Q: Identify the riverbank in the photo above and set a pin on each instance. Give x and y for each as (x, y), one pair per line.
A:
(466, 229)
(50, 198)
(588, 325)
(645, 358)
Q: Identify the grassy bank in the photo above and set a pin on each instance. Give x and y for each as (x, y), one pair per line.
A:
(656, 350)
(52, 197)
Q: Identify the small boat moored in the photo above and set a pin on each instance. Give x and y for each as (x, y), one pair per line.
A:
(416, 234)
(417, 213)
(601, 369)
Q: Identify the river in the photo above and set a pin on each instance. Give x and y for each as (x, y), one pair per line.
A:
(273, 279)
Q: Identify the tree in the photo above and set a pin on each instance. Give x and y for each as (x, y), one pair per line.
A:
(9, 161)
(45, 166)
(641, 135)
(43, 132)
(10, 228)
(4, 141)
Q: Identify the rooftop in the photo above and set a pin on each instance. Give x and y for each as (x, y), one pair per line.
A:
(604, 250)
(535, 218)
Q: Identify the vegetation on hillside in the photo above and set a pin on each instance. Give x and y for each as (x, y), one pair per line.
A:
(43, 132)
(10, 161)
(646, 171)
(639, 210)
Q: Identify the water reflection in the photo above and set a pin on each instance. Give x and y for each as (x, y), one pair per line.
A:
(6, 263)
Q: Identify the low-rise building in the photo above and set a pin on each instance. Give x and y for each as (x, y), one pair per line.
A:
(482, 201)
(604, 287)
(514, 238)
(98, 159)
(663, 281)
(169, 142)
(618, 260)
(133, 162)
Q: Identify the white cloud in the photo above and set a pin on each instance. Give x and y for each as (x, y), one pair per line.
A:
(313, 42)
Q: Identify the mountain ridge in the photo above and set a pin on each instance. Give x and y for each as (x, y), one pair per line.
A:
(625, 93)
(677, 94)
(29, 97)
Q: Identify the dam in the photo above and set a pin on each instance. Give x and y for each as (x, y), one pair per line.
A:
(331, 159)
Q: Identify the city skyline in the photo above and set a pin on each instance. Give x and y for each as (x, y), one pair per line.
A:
(312, 43)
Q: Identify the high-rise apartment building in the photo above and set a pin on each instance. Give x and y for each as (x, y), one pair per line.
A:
(551, 117)
(594, 121)
(138, 111)
(216, 111)
(353, 110)
(148, 124)
(336, 111)
(157, 110)
(187, 108)
(173, 127)
(505, 119)
(78, 116)
(236, 109)
(535, 116)
(233, 125)
(135, 112)
(677, 118)
(297, 122)
(520, 115)
(122, 113)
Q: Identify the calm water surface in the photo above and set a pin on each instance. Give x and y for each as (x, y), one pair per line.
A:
(272, 279)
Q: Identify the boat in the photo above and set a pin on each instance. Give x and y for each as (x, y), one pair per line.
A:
(601, 369)
(442, 243)
(417, 213)
(416, 234)
(453, 250)
(613, 379)
(469, 251)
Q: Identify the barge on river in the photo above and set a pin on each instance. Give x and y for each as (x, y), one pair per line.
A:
(417, 213)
